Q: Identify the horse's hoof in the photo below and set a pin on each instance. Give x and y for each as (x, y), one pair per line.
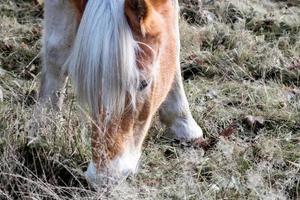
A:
(186, 129)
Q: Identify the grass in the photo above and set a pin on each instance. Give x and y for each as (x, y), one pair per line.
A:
(240, 60)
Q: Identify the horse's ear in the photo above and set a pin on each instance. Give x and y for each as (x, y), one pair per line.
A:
(142, 16)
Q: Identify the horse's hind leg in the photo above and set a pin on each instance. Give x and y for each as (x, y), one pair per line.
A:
(59, 32)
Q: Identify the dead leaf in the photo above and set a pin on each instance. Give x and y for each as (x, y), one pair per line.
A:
(205, 144)
(227, 132)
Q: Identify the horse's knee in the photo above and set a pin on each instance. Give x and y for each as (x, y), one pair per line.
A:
(59, 32)
(56, 51)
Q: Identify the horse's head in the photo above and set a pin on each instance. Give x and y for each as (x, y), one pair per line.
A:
(123, 65)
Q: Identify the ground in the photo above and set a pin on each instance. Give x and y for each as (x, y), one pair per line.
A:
(241, 64)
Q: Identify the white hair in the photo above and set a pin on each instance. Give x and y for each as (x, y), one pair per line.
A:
(102, 63)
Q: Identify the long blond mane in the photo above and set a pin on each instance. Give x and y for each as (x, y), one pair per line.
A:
(102, 64)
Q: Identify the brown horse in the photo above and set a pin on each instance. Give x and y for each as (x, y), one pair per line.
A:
(123, 59)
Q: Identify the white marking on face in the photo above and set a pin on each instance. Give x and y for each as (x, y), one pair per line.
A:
(127, 162)
(118, 168)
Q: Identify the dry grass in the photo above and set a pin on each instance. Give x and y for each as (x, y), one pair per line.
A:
(240, 58)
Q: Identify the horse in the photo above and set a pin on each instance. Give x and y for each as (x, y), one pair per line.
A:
(123, 60)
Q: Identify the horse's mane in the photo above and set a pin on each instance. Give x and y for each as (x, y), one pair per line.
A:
(102, 63)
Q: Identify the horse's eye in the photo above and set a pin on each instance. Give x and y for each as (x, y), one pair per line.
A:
(143, 85)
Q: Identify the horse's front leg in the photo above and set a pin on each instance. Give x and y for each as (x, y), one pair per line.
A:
(176, 115)
(175, 112)
(59, 32)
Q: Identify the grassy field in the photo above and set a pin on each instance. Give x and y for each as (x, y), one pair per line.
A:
(241, 64)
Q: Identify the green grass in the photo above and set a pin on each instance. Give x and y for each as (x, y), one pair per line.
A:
(239, 59)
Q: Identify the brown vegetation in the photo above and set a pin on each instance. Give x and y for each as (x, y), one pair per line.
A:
(240, 60)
